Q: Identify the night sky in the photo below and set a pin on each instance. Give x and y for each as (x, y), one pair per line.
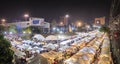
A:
(85, 10)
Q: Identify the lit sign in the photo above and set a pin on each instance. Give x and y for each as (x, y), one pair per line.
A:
(98, 21)
(36, 21)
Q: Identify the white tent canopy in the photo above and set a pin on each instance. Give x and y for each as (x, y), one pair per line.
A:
(88, 50)
(52, 46)
(18, 53)
(52, 37)
(39, 37)
(65, 42)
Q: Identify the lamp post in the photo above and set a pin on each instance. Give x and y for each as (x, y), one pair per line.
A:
(26, 16)
(3, 21)
(79, 24)
(66, 19)
(66, 22)
(61, 24)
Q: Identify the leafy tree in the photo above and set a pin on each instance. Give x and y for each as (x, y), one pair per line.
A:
(12, 28)
(54, 23)
(2, 28)
(27, 30)
(6, 54)
(104, 29)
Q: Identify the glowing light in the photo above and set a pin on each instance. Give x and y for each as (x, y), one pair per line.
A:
(24, 32)
(29, 32)
(5, 32)
(61, 32)
(26, 15)
(10, 33)
(61, 23)
(61, 37)
(54, 28)
(3, 20)
(79, 24)
(67, 16)
(58, 29)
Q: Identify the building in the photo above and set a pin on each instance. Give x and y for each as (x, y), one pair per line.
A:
(100, 21)
(114, 25)
(34, 22)
(114, 22)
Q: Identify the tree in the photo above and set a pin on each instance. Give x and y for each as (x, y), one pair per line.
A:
(6, 54)
(104, 29)
(53, 23)
(27, 30)
(2, 29)
(12, 28)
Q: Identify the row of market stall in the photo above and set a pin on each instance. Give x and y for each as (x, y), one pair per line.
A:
(86, 54)
(50, 56)
(64, 49)
(27, 49)
(105, 55)
(99, 51)
(71, 51)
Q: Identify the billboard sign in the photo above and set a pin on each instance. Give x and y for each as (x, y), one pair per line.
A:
(37, 21)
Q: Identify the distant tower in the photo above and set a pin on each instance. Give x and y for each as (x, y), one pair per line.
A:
(100, 21)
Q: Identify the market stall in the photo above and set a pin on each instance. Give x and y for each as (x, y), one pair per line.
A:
(49, 57)
(105, 55)
(39, 37)
(52, 37)
(92, 42)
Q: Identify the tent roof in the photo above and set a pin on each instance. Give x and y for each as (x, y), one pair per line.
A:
(39, 37)
(52, 37)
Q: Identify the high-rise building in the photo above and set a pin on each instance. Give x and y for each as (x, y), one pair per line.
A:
(115, 15)
(114, 25)
(100, 21)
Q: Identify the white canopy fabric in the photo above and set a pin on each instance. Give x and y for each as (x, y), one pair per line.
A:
(63, 48)
(70, 61)
(18, 53)
(27, 41)
(52, 46)
(52, 37)
(39, 37)
(88, 50)
(65, 42)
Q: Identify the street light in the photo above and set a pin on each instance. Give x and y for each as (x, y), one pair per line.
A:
(26, 16)
(61, 23)
(79, 24)
(67, 16)
(3, 21)
(66, 21)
